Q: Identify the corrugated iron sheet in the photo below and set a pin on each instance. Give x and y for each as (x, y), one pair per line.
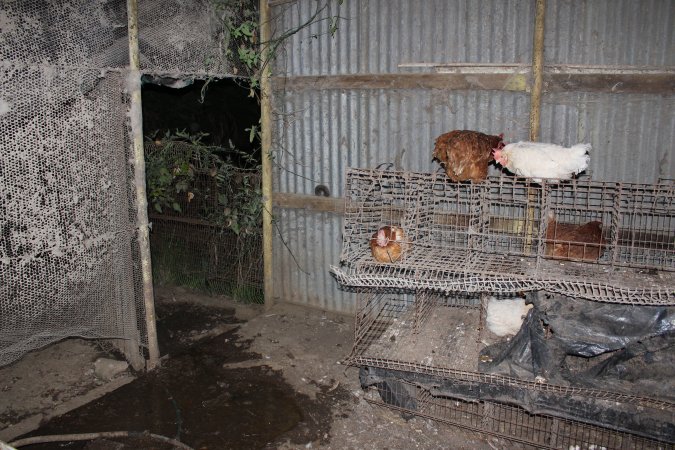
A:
(328, 131)
(322, 132)
(305, 246)
(375, 36)
(610, 32)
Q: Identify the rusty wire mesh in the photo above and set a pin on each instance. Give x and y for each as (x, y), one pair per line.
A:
(430, 340)
(506, 235)
(420, 320)
(534, 431)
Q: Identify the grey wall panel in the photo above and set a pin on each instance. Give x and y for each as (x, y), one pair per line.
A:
(329, 131)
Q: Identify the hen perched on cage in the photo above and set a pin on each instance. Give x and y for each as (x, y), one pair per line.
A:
(539, 160)
(465, 154)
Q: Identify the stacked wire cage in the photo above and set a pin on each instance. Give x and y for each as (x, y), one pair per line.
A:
(420, 340)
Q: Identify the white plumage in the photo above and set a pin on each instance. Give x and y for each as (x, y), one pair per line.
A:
(539, 160)
(505, 317)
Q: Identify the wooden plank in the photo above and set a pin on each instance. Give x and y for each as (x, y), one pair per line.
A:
(444, 81)
(643, 83)
(309, 202)
(628, 83)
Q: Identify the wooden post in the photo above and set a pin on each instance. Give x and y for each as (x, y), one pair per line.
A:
(136, 115)
(535, 106)
(266, 143)
(537, 70)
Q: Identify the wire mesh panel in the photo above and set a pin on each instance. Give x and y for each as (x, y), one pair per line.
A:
(498, 419)
(194, 244)
(66, 259)
(201, 256)
(602, 241)
(69, 260)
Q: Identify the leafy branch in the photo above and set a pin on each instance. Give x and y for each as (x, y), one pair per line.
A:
(185, 176)
(241, 22)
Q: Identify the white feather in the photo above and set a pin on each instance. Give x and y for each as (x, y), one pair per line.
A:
(542, 160)
(505, 317)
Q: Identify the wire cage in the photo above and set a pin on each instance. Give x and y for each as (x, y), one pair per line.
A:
(611, 242)
(420, 337)
(423, 353)
(534, 431)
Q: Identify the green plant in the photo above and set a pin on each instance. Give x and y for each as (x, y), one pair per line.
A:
(241, 39)
(182, 173)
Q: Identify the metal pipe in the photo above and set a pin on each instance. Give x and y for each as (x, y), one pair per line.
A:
(136, 116)
(266, 144)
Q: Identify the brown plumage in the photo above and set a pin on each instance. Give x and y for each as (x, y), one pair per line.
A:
(465, 154)
(571, 241)
(388, 244)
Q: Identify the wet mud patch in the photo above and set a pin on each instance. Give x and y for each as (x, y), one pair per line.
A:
(199, 399)
(180, 325)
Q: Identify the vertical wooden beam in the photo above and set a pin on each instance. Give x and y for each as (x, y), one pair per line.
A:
(537, 70)
(535, 105)
(136, 115)
(266, 143)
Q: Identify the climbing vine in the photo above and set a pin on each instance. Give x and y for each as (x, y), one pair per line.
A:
(241, 38)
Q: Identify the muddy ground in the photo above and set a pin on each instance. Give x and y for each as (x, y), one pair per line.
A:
(232, 376)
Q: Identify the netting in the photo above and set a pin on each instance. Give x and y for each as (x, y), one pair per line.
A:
(69, 262)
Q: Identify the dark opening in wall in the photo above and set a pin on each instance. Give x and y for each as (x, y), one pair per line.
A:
(224, 111)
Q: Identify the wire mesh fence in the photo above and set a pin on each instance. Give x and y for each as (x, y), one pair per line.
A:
(195, 244)
(69, 259)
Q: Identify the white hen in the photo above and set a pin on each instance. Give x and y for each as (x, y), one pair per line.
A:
(539, 160)
(505, 317)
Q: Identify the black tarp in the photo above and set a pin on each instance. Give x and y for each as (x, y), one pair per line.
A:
(568, 341)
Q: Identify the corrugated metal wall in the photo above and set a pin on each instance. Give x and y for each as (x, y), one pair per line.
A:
(321, 132)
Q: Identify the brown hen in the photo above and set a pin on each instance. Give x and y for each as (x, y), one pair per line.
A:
(571, 241)
(388, 244)
(465, 154)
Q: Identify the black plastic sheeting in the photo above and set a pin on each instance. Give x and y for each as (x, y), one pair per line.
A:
(567, 341)
(626, 349)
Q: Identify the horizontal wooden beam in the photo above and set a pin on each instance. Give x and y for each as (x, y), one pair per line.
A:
(636, 83)
(309, 202)
(445, 81)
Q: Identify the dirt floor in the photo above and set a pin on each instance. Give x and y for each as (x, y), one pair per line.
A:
(233, 376)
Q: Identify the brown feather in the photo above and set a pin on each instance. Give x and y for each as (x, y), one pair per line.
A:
(465, 154)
